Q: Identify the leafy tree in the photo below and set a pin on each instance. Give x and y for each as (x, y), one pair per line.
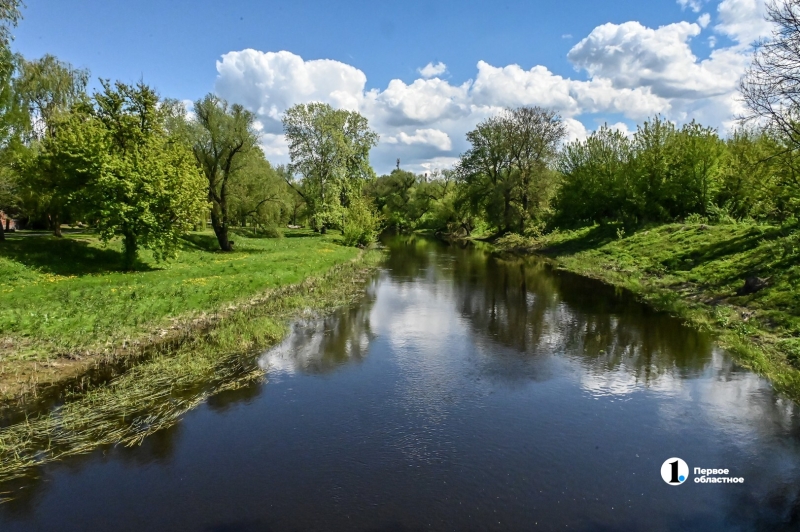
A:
(48, 87)
(9, 117)
(508, 171)
(223, 135)
(695, 158)
(46, 91)
(329, 149)
(595, 184)
(149, 190)
(258, 194)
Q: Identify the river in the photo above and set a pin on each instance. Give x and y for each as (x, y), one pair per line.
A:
(464, 391)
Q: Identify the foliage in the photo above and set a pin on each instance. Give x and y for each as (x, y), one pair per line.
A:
(148, 190)
(329, 149)
(223, 137)
(47, 88)
(361, 223)
(508, 170)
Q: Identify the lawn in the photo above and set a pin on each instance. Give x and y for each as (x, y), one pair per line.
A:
(60, 297)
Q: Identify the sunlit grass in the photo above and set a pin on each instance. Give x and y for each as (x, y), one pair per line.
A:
(63, 296)
(696, 271)
(155, 394)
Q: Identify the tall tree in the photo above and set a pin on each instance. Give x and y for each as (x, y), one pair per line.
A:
(329, 149)
(771, 86)
(508, 171)
(9, 119)
(223, 136)
(149, 190)
(48, 87)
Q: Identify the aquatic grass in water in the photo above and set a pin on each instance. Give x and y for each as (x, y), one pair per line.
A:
(155, 394)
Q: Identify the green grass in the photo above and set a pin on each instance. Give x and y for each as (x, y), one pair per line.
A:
(60, 297)
(695, 271)
(155, 394)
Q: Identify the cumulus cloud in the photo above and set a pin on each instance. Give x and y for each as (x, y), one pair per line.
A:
(430, 70)
(694, 5)
(632, 72)
(432, 137)
(743, 20)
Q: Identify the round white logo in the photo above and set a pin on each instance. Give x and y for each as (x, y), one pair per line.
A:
(675, 471)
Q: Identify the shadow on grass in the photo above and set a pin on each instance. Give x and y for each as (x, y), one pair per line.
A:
(202, 242)
(594, 238)
(64, 256)
(300, 233)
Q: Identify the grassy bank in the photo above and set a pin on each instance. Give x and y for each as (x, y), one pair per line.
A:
(698, 272)
(66, 303)
(154, 395)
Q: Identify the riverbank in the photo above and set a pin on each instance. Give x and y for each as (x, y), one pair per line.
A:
(66, 306)
(700, 273)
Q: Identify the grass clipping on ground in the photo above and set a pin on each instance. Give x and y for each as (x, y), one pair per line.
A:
(698, 272)
(155, 394)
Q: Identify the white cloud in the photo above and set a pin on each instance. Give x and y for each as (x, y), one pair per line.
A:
(430, 70)
(694, 5)
(432, 137)
(567, 36)
(742, 20)
(632, 71)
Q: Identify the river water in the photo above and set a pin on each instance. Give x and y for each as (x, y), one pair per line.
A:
(464, 392)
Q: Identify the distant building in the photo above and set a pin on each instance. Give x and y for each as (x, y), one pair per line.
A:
(9, 224)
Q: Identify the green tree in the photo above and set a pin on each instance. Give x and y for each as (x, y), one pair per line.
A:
(149, 191)
(223, 135)
(258, 193)
(10, 120)
(595, 183)
(329, 149)
(508, 171)
(47, 88)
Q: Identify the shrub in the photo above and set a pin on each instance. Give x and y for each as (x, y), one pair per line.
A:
(361, 223)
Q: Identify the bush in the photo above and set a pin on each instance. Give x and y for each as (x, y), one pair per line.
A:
(361, 223)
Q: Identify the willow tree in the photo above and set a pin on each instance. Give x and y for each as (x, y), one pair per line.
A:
(329, 150)
(9, 17)
(222, 138)
(46, 90)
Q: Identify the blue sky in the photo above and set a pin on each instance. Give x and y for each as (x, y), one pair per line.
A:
(176, 46)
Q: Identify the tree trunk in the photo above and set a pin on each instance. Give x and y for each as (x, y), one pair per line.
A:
(220, 225)
(56, 222)
(506, 214)
(131, 251)
(3, 233)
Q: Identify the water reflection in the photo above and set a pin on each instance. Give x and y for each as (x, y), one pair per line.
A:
(466, 391)
(530, 310)
(321, 345)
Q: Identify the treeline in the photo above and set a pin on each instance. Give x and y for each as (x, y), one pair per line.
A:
(519, 176)
(130, 164)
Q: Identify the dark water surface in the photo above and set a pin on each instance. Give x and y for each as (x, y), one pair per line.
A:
(463, 393)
